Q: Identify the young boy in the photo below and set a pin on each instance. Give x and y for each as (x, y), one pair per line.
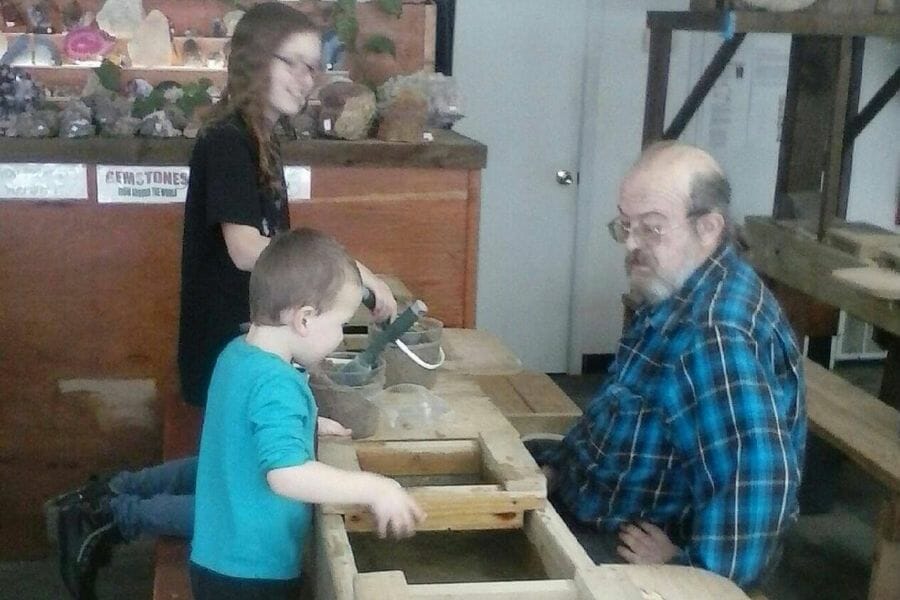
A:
(257, 473)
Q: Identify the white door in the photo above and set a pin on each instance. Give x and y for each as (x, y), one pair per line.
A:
(520, 67)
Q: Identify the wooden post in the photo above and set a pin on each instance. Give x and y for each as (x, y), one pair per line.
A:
(712, 73)
(832, 187)
(657, 85)
(885, 581)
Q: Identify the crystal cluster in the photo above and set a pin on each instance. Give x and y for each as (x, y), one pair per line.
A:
(18, 92)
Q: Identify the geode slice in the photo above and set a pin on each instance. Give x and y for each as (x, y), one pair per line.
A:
(87, 43)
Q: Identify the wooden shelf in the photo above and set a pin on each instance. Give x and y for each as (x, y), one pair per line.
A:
(798, 23)
(796, 259)
(449, 150)
(75, 74)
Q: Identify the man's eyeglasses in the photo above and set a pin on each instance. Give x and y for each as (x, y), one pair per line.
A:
(650, 229)
(297, 66)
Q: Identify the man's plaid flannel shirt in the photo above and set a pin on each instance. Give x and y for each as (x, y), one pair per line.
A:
(700, 426)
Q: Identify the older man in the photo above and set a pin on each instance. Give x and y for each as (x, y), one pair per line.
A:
(692, 449)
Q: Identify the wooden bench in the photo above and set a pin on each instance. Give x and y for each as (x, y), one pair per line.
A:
(868, 431)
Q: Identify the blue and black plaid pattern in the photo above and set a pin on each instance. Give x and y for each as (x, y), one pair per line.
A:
(700, 426)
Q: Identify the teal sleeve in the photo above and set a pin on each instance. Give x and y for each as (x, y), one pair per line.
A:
(282, 418)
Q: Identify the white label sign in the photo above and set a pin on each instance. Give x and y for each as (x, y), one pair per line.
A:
(141, 184)
(43, 181)
(298, 182)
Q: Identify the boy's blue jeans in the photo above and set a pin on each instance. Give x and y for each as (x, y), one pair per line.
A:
(155, 501)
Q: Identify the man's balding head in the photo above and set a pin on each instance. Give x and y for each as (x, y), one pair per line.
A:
(694, 176)
(674, 201)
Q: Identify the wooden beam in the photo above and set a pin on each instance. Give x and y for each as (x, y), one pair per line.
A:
(874, 106)
(473, 218)
(449, 150)
(701, 89)
(806, 265)
(857, 53)
(657, 85)
(362, 522)
(380, 586)
(506, 461)
(561, 553)
(788, 125)
(801, 23)
(338, 454)
(335, 570)
(447, 457)
(639, 582)
(477, 352)
(496, 590)
(443, 504)
(601, 583)
(885, 581)
(542, 423)
(832, 188)
(541, 393)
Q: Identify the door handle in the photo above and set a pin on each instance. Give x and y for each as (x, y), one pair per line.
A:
(565, 178)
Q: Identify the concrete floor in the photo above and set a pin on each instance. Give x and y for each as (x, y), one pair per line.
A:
(827, 557)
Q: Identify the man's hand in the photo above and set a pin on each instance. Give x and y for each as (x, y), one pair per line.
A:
(330, 427)
(646, 544)
(394, 510)
(385, 303)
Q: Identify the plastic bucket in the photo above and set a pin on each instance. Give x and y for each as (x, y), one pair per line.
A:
(348, 402)
(424, 340)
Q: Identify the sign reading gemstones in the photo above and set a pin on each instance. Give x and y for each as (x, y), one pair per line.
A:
(141, 184)
(43, 181)
(159, 185)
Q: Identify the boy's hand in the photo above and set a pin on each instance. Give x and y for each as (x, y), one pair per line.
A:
(328, 426)
(394, 510)
(646, 544)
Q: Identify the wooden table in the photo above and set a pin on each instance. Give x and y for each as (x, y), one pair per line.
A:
(479, 364)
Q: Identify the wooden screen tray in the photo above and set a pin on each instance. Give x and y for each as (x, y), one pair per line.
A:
(462, 485)
(541, 560)
(538, 560)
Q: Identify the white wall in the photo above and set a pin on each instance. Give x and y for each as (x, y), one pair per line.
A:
(614, 104)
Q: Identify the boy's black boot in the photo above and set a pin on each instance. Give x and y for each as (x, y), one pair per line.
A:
(95, 492)
(86, 536)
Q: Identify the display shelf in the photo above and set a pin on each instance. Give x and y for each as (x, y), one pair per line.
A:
(449, 150)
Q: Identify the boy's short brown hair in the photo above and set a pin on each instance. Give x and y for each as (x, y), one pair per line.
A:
(301, 267)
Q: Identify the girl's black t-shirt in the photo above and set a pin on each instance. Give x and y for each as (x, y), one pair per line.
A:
(223, 188)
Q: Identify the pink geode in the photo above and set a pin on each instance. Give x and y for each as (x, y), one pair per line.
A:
(86, 43)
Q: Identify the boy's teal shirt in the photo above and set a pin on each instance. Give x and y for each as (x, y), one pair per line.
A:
(260, 415)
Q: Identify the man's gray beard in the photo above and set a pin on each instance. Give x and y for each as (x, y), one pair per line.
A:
(652, 291)
(656, 289)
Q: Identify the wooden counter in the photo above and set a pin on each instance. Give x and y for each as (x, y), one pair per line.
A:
(90, 295)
